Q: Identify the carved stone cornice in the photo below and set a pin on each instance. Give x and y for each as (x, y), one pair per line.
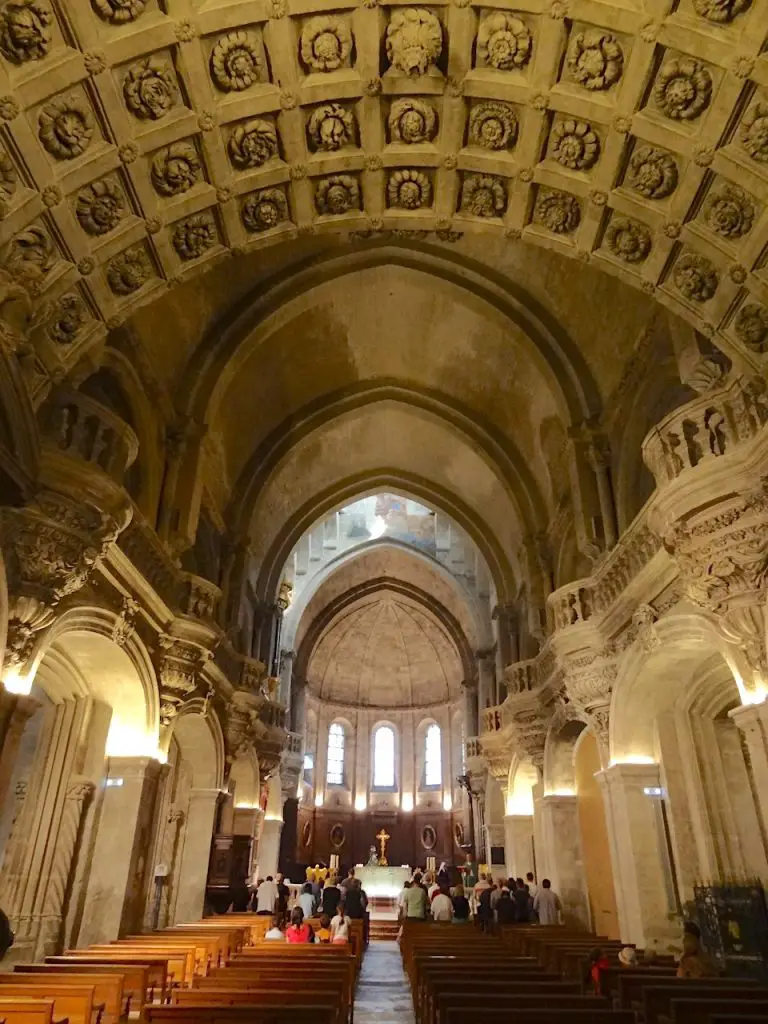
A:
(589, 678)
(200, 597)
(179, 664)
(51, 546)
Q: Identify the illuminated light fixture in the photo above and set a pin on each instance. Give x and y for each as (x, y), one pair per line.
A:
(407, 802)
(245, 805)
(16, 683)
(447, 802)
(110, 783)
(633, 759)
(653, 790)
(318, 799)
(379, 528)
(748, 697)
(273, 817)
(563, 791)
(360, 803)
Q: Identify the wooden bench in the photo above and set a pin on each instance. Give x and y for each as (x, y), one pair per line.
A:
(26, 1011)
(263, 1014)
(158, 977)
(180, 959)
(632, 986)
(276, 995)
(75, 1002)
(107, 988)
(701, 1010)
(658, 999)
(610, 978)
(135, 978)
(539, 1016)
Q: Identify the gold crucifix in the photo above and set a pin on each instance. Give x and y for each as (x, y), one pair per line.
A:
(383, 836)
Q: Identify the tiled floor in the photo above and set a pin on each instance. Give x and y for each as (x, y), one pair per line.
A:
(383, 994)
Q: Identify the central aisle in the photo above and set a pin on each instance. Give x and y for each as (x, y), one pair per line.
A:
(383, 995)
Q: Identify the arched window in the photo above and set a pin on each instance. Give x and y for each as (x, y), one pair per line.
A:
(384, 758)
(334, 775)
(433, 761)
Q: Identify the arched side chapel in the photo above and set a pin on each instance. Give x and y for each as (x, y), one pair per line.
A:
(347, 402)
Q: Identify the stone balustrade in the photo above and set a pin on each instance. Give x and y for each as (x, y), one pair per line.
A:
(521, 677)
(294, 743)
(712, 425)
(472, 748)
(85, 429)
(200, 597)
(493, 719)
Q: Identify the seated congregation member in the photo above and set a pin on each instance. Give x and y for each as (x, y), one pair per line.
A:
(323, 933)
(307, 900)
(628, 956)
(547, 904)
(340, 926)
(597, 962)
(695, 963)
(298, 931)
(484, 912)
(506, 910)
(460, 905)
(266, 897)
(501, 885)
(331, 897)
(442, 907)
(276, 932)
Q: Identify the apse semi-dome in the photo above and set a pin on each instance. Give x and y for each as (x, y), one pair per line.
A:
(388, 652)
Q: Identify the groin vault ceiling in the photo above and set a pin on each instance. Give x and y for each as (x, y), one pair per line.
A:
(142, 140)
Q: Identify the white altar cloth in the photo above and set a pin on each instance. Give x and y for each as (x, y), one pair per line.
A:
(381, 881)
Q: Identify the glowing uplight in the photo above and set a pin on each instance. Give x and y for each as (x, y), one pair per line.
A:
(406, 801)
(360, 803)
(447, 802)
(379, 528)
(748, 697)
(246, 805)
(125, 740)
(633, 759)
(563, 791)
(16, 683)
(318, 799)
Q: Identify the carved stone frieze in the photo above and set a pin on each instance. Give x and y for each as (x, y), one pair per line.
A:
(193, 236)
(412, 120)
(683, 89)
(127, 272)
(504, 41)
(414, 40)
(175, 169)
(340, 193)
(100, 207)
(330, 127)
(179, 665)
(493, 125)
(409, 189)
(559, 212)
(751, 327)
(25, 30)
(325, 44)
(753, 132)
(729, 212)
(264, 209)
(628, 239)
(150, 89)
(652, 172)
(252, 143)
(483, 195)
(235, 61)
(51, 546)
(595, 60)
(695, 277)
(574, 144)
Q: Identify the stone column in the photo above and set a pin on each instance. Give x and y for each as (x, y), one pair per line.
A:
(18, 710)
(486, 696)
(752, 721)
(518, 844)
(286, 673)
(79, 792)
(195, 855)
(504, 618)
(299, 706)
(120, 847)
(469, 690)
(561, 836)
(599, 457)
(639, 852)
(269, 847)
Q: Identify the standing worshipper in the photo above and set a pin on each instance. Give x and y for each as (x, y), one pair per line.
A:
(506, 910)
(266, 897)
(331, 897)
(307, 900)
(522, 902)
(442, 907)
(353, 901)
(348, 882)
(547, 904)
(283, 894)
(460, 906)
(443, 876)
(416, 900)
(533, 889)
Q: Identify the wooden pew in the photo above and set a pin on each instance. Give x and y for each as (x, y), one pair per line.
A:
(701, 1010)
(180, 960)
(307, 956)
(609, 978)
(488, 992)
(264, 1014)
(135, 978)
(632, 986)
(26, 1011)
(658, 1000)
(107, 988)
(540, 1016)
(75, 1002)
(157, 967)
(314, 995)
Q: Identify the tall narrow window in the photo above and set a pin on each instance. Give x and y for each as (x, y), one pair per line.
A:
(433, 762)
(384, 758)
(335, 773)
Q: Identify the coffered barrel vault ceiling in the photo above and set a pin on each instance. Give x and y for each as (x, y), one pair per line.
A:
(142, 140)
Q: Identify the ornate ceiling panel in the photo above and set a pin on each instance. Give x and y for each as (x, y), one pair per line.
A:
(142, 140)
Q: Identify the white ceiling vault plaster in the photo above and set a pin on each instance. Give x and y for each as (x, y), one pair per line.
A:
(143, 140)
(385, 651)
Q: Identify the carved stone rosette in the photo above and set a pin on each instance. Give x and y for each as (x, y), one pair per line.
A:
(179, 664)
(51, 546)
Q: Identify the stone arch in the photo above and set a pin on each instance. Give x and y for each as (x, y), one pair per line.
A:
(201, 741)
(295, 288)
(349, 489)
(293, 618)
(523, 776)
(120, 675)
(648, 682)
(559, 749)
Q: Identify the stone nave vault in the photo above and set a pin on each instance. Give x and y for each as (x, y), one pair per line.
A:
(380, 367)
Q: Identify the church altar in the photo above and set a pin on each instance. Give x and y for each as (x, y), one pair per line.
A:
(382, 881)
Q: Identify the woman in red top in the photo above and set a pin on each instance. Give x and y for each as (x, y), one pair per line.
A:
(297, 930)
(596, 964)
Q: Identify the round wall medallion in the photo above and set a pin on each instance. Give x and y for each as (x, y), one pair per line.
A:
(428, 837)
(306, 834)
(338, 836)
(458, 833)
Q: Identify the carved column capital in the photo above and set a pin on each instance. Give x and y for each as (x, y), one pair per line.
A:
(179, 664)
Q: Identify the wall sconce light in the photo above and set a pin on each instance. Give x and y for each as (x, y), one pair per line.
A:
(407, 802)
(360, 803)
(447, 802)
(318, 799)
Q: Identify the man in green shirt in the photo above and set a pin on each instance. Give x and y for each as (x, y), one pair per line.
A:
(415, 901)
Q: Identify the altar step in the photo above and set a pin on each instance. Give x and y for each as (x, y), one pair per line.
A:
(383, 931)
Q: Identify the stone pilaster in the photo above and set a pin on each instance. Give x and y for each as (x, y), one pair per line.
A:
(752, 720)
(518, 844)
(192, 873)
(564, 866)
